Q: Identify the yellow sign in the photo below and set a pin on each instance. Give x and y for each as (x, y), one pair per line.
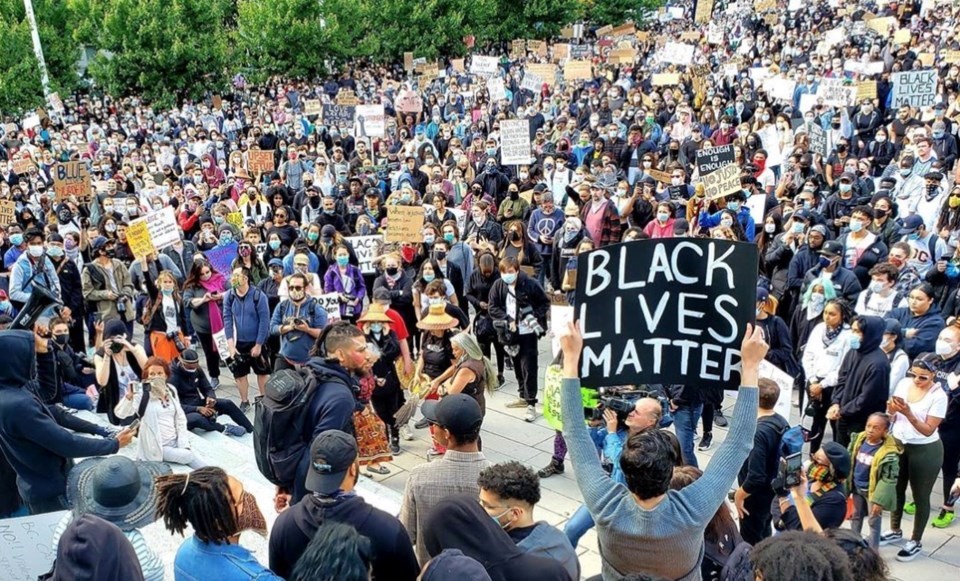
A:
(666, 79)
(138, 237)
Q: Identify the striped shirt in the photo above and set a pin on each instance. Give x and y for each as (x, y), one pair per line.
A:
(150, 563)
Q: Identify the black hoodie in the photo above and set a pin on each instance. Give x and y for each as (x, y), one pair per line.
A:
(39, 450)
(95, 550)
(459, 522)
(863, 385)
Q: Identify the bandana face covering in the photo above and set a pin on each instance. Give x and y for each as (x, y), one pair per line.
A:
(251, 519)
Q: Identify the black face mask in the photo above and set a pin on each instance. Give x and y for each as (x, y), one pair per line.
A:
(61, 340)
(314, 201)
(440, 255)
(393, 271)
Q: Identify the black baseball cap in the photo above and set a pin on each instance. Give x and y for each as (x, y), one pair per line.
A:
(332, 453)
(832, 248)
(458, 413)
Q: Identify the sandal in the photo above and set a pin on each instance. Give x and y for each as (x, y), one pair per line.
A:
(378, 470)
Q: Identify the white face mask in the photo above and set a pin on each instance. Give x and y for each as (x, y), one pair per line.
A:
(769, 228)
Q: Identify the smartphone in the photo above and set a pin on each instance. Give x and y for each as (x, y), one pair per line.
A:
(135, 386)
(793, 465)
(134, 425)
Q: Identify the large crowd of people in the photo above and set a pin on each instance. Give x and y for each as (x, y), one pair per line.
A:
(848, 187)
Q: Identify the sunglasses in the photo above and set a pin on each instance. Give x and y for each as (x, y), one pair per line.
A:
(295, 288)
(919, 376)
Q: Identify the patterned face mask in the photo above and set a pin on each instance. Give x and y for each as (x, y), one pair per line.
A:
(819, 473)
(250, 518)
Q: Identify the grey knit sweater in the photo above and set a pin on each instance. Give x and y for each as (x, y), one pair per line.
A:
(667, 541)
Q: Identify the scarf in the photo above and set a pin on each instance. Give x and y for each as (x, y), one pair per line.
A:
(830, 335)
(215, 284)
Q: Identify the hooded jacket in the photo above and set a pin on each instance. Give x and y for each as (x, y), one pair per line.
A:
(863, 384)
(92, 548)
(459, 522)
(548, 541)
(40, 451)
(951, 422)
(928, 326)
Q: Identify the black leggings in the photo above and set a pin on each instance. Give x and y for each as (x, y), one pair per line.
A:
(707, 418)
(951, 459)
(210, 354)
(498, 348)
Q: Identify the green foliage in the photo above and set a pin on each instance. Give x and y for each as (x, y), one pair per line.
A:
(614, 12)
(163, 50)
(280, 37)
(19, 74)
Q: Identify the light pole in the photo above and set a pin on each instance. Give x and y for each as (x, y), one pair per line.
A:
(37, 49)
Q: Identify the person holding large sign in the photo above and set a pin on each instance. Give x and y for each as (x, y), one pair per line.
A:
(641, 513)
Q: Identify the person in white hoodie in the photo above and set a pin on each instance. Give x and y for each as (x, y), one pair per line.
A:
(826, 347)
(163, 435)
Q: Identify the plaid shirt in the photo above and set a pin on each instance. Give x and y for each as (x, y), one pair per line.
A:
(610, 228)
(455, 473)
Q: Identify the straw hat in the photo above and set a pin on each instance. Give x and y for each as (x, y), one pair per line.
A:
(437, 319)
(242, 174)
(376, 313)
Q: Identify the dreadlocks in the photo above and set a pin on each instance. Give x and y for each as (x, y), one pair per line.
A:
(201, 498)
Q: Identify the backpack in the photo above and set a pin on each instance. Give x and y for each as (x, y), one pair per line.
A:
(278, 434)
(791, 441)
(738, 566)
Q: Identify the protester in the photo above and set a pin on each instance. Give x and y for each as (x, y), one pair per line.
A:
(246, 321)
(199, 401)
(92, 548)
(876, 464)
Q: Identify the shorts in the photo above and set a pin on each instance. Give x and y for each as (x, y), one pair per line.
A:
(245, 362)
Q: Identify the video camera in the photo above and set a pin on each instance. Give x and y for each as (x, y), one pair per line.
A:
(623, 398)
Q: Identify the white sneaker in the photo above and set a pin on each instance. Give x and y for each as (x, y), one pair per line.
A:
(405, 433)
(531, 414)
(909, 551)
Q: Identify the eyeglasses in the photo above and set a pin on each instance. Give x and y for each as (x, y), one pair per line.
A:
(919, 377)
(295, 288)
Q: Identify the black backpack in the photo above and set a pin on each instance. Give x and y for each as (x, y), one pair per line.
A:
(278, 425)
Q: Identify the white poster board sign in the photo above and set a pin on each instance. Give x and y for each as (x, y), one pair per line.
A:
(515, 141)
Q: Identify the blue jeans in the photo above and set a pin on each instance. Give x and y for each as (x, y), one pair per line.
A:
(78, 401)
(685, 425)
(580, 522)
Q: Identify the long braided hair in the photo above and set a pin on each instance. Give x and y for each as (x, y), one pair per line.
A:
(201, 498)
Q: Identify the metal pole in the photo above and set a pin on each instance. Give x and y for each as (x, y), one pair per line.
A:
(37, 48)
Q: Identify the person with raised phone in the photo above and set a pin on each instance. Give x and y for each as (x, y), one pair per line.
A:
(668, 525)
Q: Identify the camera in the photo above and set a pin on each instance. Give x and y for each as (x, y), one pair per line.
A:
(526, 317)
(623, 399)
(175, 337)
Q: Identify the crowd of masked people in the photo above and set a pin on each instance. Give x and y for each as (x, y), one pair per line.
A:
(858, 296)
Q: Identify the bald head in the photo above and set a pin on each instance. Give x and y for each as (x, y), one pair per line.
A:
(646, 414)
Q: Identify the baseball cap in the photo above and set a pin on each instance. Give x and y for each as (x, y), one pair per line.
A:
(190, 356)
(762, 294)
(801, 214)
(332, 453)
(680, 226)
(848, 176)
(832, 248)
(458, 413)
(911, 223)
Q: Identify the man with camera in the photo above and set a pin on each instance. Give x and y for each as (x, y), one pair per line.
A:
(298, 320)
(106, 282)
(755, 494)
(518, 307)
(246, 323)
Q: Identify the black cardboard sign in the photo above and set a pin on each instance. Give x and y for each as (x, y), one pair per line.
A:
(670, 311)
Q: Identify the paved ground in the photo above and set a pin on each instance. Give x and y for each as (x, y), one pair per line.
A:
(507, 437)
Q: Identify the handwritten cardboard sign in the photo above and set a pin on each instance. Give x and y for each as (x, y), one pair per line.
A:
(578, 70)
(405, 224)
(71, 178)
(410, 102)
(260, 161)
(312, 107)
(665, 311)
(914, 88)
(8, 212)
(665, 79)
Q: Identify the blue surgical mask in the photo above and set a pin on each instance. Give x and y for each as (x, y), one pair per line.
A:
(856, 225)
(16, 239)
(735, 206)
(226, 238)
(428, 238)
(376, 328)
(798, 227)
(55, 251)
(5, 305)
(167, 291)
(509, 278)
(449, 237)
(429, 277)
(274, 244)
(914, 236)
(663, 216)
(726, 223)
(343, 260)
(855, 341)
(846, 187)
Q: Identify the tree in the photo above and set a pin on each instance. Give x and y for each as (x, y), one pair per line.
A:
(20, 86)
(614, 12)
(163, 50)
(281, 37)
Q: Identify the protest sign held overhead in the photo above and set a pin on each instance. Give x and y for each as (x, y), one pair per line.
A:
(485, 66)
(718, 171)
(405, 224)
(914, 88)
(515, 141)
(369, 121)
(8, 212)
(153, 232)
(261, 161)
(338, 115)
(367, 249)
(670, 311)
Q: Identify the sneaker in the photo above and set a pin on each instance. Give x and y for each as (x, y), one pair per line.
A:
(531, 414)
(234, 430)
(395, 448)
(214, 382)
(889, 537)
(517, 403)
(944, 520)
(405, 433)
(910, 508)
(244, 406)
(509, 362)
(550, 469)
(706, 441)
(421, 424)
(909, 551)
(718, 419)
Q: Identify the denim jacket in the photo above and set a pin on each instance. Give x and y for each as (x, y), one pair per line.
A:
(199, 561)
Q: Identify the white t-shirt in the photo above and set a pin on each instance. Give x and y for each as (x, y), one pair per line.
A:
(166, 421)
(933, 404)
